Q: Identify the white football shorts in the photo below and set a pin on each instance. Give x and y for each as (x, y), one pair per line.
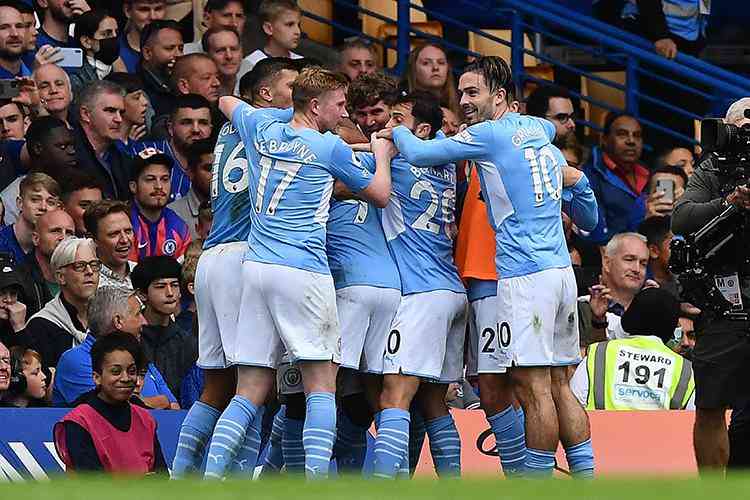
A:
(538, 318)
(365, 317)
(286, 306)
(427, 336)
(217, 299)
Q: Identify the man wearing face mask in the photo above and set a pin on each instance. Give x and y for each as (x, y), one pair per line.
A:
(96, 33)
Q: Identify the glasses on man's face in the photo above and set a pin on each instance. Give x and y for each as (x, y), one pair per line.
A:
(563, 117)
(81, 265)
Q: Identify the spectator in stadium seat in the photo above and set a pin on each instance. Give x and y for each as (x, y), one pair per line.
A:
(158, 230)
(29, 44)
(220, 15)
(12, 38)
(224, 47)
(658, 238)
(280, 21)
(101, 105)
(134, 126)
(62, 323)
(189, 121)
(197, 74)
(57, 17)
(96, 34)
(161, 45)
(55, 90)
(51, 150)
(40, 285)
(618, 178)
(650, 322)
(12, 310)
(624, 264)
(428, 69)
(79, 191)
(367, 100)
(139, 14)
(656, 204)
(677, 157)
(106, 432)
(108, 223)
(13, 121)
(38, 193)
(33, 392)
(193, 381)
(554, 104)
(357, 57)
(111, 309)
(200, 161)
(172, 350)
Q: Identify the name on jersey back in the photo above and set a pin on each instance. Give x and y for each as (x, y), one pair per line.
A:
(296, 147)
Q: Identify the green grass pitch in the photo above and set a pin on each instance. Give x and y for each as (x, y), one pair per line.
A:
(99, 488)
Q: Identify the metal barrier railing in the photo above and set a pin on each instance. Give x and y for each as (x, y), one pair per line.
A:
(555, 23)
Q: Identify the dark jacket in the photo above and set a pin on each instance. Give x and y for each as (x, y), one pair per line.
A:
(620, 209)
(114, 173)
(36, 293)
(81, 78)
(49, 339)
(173, 351)
(161, 96)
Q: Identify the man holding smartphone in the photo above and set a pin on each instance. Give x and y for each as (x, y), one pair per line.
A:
(667, 185)
(722, 349)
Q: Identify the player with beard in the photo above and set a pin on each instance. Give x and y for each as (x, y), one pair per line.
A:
(288, 291)
(158, 230)
(189, 121)
(521, 174)
(12, 42)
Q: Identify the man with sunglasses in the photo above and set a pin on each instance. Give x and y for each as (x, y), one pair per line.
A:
(62, 322)
(554, 104)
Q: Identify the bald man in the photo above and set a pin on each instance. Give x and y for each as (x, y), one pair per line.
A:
(54, 90)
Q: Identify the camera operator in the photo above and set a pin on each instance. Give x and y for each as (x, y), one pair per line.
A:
(722, 350)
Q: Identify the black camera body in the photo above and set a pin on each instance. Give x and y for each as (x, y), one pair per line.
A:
(700, 257)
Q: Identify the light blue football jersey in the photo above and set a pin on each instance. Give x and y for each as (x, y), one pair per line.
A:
(419, 223)
(521, 177)
(290, 182)
(230, 202)
(356, 247)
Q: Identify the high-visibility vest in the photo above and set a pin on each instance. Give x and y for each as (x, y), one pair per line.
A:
(686, 18)
(638, 373)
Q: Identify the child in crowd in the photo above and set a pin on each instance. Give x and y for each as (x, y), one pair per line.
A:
(280, 21)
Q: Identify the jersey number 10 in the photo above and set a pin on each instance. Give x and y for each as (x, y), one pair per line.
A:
(540, 161)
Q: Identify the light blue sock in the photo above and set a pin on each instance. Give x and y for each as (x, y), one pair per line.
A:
(445, 445)
(510, 439)
(195, 433)
(319, 433)
(521, 418)
(539, 463)
(291, 445)
(391, 443)
(229, 436)
(351, 445)
(581, 459)
(417, 433)
(244, 462)
(275, 458)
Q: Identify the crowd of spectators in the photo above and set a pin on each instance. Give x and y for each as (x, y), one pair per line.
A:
(106, 178)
